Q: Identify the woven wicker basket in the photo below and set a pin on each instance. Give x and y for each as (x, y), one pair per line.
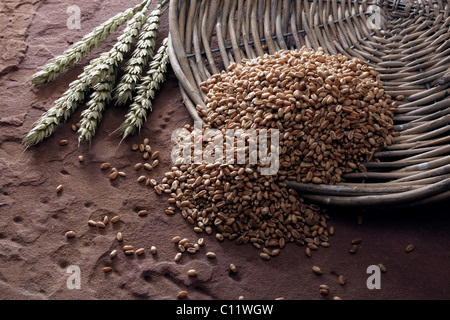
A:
(408, 43)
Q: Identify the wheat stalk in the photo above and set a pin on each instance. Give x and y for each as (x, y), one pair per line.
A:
(141, 55)
(146, 91)
(78, 50)
(68, 102)
(105, 74)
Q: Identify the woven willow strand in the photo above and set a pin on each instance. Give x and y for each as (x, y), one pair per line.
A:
(78, 50)
(146, 91)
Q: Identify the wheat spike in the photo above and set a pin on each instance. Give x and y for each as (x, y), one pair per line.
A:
(105, 74)
(61, 111)
(68, 102)
(146, 91)
(141, 55)
(114, 57)
(92, 116)
(78, 50)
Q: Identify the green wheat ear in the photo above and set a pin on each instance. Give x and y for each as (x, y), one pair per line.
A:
(78, 89)
(100, 75)
(78, 50)
(92, 116)
(139, 60)
(150, 84)
(104, 77)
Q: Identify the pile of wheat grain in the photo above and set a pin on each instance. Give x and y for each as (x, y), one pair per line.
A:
(332, 111)
(332, 115)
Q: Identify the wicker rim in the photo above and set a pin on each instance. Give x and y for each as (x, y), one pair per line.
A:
(411, 52)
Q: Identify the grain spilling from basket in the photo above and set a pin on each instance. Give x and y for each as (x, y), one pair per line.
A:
(331, 113)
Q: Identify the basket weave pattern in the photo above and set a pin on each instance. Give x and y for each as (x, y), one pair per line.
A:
(407, 42)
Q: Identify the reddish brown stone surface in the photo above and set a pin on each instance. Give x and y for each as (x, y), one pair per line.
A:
(35, 253)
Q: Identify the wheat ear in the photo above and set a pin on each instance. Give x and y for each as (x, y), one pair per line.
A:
(61, 111)
(114, 57)
(146, 91)
(67, 103)
(141, 55)
(78, 50)
(92, 116)
(105, 75)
